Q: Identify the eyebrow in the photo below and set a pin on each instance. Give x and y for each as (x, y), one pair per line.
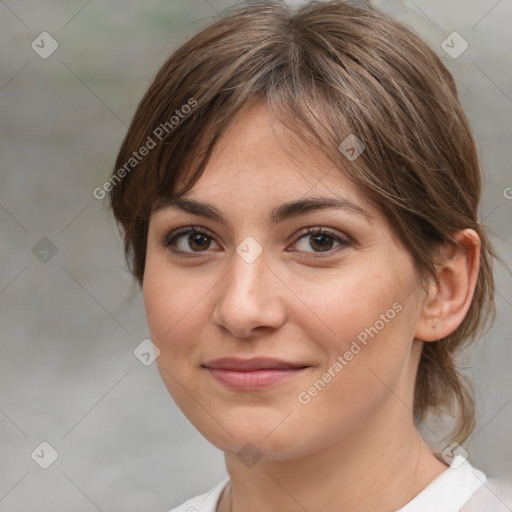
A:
(278, 214)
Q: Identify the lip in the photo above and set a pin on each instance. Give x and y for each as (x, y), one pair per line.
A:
(255, 363)
(253, 374)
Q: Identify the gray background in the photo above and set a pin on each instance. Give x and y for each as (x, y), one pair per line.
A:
(69, 326)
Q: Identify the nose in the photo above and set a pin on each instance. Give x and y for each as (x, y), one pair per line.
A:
(249, 298)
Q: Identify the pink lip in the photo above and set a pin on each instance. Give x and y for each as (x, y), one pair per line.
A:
(251, 374)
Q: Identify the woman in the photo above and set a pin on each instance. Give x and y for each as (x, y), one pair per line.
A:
(298, 193)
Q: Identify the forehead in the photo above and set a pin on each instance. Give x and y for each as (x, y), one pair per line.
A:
(262, 163)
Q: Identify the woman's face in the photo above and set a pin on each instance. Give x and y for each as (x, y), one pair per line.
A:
(335, 312)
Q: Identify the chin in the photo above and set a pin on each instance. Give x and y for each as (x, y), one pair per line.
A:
(259, 433)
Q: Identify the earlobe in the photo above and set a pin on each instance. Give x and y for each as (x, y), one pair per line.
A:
(449, 296)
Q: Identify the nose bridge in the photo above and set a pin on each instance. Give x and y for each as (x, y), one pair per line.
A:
(249, 296)
(248, 274)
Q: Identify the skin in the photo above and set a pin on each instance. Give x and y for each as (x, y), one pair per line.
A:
(354, 446)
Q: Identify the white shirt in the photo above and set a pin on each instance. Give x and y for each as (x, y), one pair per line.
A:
(461, 488)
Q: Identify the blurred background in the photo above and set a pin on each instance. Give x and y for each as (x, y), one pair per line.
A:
(71, 321)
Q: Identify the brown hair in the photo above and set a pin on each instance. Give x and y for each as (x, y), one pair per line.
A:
(326, 70)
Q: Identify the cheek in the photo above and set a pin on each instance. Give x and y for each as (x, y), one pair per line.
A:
(166, 312)
(365, 362)
(170, 297)
(366, 335)
(176, 312)
(164, 307)
(352, 305)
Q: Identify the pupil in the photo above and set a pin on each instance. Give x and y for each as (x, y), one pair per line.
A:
(193, 239)
(322, 245)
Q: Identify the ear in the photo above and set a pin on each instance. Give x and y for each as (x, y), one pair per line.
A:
(450, 294)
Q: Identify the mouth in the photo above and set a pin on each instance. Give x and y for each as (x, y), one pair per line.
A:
(253, 374)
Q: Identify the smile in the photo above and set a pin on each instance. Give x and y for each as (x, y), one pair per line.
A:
(253, 374)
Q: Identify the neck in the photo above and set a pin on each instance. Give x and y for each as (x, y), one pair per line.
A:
(372, 469)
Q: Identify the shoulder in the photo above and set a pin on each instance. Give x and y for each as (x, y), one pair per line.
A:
(206, 502)
(494, 494)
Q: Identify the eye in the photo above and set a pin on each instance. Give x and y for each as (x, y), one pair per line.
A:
(199, 240)
(322, 240)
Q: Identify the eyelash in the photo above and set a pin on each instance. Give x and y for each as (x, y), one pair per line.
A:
(170, 240)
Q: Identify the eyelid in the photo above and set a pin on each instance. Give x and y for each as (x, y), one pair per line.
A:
(342, 239)
(174, 234)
